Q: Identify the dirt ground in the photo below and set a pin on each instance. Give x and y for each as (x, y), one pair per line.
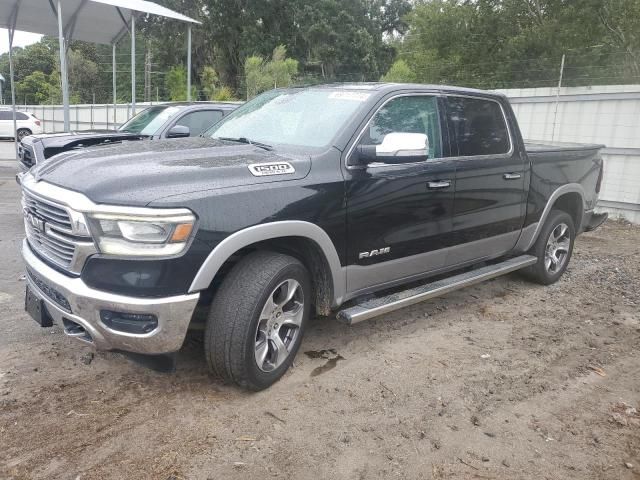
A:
(505, 380)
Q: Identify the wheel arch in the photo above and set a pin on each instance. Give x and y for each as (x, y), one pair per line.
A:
(294, 234)
(569, 198)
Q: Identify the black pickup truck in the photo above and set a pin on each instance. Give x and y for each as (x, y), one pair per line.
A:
(348, 199)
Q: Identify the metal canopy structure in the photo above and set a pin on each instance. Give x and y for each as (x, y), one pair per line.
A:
(96, 21)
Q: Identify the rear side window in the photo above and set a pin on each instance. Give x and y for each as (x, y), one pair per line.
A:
(8, 115)
(477, 126)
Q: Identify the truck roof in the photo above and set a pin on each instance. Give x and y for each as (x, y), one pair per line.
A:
(387, 86)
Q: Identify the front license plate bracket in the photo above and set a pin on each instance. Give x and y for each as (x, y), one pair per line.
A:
(34, 306)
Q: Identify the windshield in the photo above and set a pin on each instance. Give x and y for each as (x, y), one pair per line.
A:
(301, 118)
(148, 121)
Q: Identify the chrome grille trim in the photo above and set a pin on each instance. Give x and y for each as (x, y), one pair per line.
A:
(53, 214)
(54, 232)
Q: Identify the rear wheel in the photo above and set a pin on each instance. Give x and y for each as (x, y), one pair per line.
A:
(553, 248)
(23, 132)
(257, 319)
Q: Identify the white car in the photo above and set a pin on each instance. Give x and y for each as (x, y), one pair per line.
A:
(26, 124)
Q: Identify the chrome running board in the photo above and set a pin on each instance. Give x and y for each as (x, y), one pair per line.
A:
(379, 306)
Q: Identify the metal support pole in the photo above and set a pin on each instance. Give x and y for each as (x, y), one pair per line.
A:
(133, 64)
(63, 69)
(13, 93)
(555, 114)
(189, 63)
(113, 81)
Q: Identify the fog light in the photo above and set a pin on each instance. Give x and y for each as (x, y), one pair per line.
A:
(129, 322)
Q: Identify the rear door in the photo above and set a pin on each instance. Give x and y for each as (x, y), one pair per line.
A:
(399, 214)
(490, 194)
(23, 121)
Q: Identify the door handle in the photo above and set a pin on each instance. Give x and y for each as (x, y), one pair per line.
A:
(511, 176)
(438, 184)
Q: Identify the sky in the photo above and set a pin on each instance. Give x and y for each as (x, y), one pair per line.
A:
(20, 39)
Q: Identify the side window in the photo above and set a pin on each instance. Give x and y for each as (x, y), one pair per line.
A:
(21, 116)
(6, 115)
(200, 121)
(411, 114)
(478, 126)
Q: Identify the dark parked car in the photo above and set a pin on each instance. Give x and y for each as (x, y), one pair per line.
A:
(174, 120)
(338, 198)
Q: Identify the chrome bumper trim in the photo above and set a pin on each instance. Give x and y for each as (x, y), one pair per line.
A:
(174, 313)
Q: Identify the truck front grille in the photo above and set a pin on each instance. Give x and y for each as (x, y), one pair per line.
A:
(49, 231)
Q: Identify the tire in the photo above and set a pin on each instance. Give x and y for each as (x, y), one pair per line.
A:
(23, 132)
(553, 253)
(249, 313)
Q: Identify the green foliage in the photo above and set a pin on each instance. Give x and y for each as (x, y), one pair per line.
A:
(281, 70)
(35, 88)
(399, 72)
(211, 87)
(209, 82)
(262, 75)
(515, 43)
(255, 79)
(331, 39)
(82, 75)
(223, 94)
(176, 84)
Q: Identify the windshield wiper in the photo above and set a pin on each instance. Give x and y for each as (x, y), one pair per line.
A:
(248, 142)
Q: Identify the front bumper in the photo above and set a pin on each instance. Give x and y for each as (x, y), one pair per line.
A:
(83, 305)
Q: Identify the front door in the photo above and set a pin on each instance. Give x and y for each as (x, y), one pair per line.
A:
(490, 196)
(399, 214)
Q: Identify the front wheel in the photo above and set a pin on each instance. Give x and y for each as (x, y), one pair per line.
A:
(553, 248)
(257, 319)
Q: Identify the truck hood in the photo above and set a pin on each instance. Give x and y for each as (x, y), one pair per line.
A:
(54, 143)
(137, 173)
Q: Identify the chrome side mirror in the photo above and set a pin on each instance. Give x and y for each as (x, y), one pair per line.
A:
(403, 145)
(396, 147)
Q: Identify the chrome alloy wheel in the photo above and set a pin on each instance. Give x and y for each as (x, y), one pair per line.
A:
(279, 325)
(557, 249)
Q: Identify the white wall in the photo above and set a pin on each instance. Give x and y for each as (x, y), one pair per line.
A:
(82, 117)
(607, 114)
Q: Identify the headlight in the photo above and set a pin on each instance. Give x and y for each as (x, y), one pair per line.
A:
(142, 235)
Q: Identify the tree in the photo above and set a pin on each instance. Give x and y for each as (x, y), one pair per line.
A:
(176, 84)
(262, 75)
(516, 43)
(209, 82)
(255, 79)
(281, 69)
(83, 76)
(399, 73)
(333, 39)
(36, 88)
